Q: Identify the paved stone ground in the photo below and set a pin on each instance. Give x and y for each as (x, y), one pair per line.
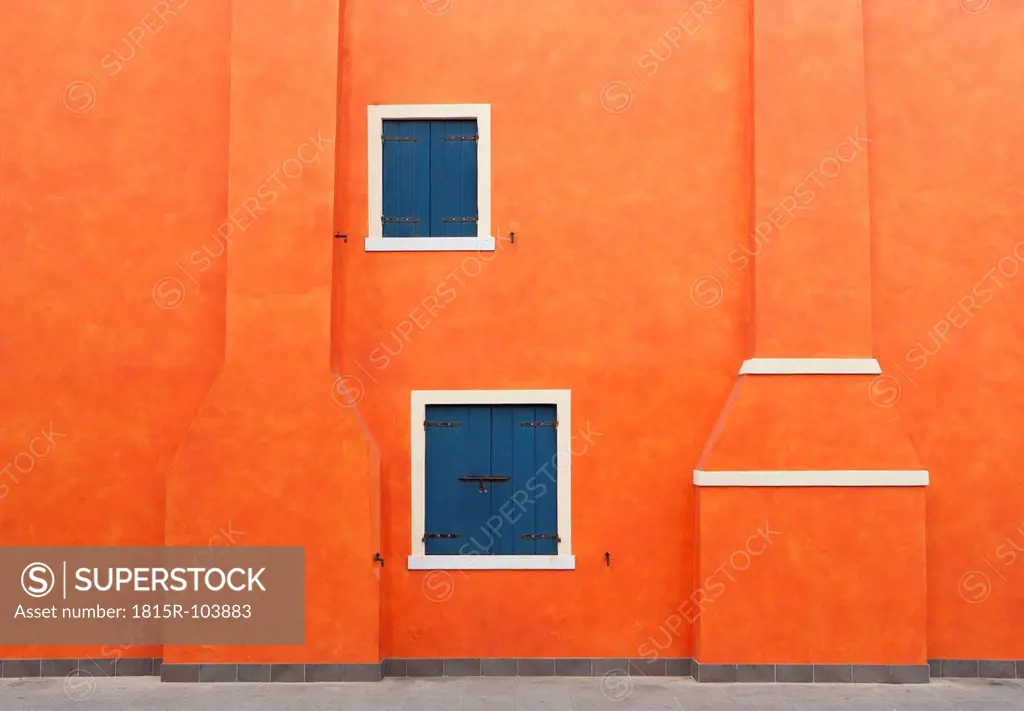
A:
(549, 694)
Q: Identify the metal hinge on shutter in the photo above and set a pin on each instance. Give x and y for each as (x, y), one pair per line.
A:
(440, 535)
(541, 537)
(440, 423)
(400, 219)
(460, 219)
(399, 139)
(535, 423)
(473, 138)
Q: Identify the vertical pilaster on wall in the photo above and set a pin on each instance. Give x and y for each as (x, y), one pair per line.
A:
(275, 449)
(764, 550)
(811, 211)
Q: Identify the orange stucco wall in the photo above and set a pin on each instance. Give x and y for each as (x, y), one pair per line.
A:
(945, 215)
(807, 422)
(111, 171)
(811, 235)
(610, 218)
(194, 385)
(810, 575)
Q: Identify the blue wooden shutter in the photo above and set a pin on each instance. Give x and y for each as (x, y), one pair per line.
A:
(406, 179)
(453, 506)
(503, 460)
(453, 178)
(546, 462)
(524, 444)
(518, 441)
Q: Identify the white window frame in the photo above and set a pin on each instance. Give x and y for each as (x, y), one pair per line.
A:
(562, 400)
(376, 115)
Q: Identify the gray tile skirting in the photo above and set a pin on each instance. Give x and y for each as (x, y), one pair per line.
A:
(812, 673)
(267, 673)
(977, 668)
(575, 666)
(728, 673)
(569, 666)
(22, 668)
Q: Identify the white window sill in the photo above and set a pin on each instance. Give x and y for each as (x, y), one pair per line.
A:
(492, 562)
(429, 244)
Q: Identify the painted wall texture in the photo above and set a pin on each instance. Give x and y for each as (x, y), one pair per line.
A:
(189, 357)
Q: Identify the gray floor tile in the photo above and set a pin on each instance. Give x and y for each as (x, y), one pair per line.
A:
(254, 673)
(536, 667)
(394, 667)
(58, 667)
(573, 667)
(358, 672)
(218, 673)
(607, 666)
(996, 669)
(499, 667)
(755, 673)
(678, 667)
(715, 673)
(794, 673)
(97, 667)
(647, 667)
(133, 667)
(519, 694)
(871, 674)
(959, 667)
(287, 672)
(424, 667)
(833, 673)
(180, 673)
(461, 667)
(910, 673)
(20, 668)
(317, 673)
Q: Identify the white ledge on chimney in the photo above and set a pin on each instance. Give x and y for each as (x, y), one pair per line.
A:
(830, 477)
(810, 366)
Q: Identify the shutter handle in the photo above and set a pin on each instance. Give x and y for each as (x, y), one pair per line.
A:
(482, 480)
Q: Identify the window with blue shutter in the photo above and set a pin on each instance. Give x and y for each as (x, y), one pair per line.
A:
(491, 476)
(430, 178)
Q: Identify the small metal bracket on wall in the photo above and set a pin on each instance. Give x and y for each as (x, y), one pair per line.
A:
(343, 238)
(608, 559)
(378, 558)
(512, 237)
